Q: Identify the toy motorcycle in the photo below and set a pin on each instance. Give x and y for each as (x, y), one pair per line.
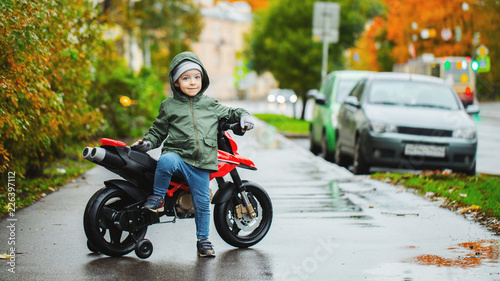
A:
(115, 223)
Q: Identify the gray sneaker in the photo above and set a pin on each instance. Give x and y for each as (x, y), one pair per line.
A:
(155, 204)
(205, 248)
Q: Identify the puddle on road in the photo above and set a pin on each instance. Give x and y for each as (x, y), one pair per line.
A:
(470, 255)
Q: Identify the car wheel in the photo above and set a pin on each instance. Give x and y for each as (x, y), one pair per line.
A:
(340, 159)
(360, 164)
(325, 153)
(315, 149)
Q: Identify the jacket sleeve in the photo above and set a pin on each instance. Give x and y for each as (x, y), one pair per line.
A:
(159, 130)
(233, 115)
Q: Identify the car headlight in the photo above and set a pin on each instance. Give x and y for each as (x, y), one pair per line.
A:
(466, 133)
(280, 99)
(271, 98)
(293, 99)
(383, 128)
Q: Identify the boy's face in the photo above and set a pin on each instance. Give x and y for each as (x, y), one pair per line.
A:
(189, 82)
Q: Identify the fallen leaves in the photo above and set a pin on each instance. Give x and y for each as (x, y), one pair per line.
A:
(5, 256)
(470, 209)
(472, 255)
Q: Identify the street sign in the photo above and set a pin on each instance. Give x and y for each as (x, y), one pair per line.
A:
(482, 50)
(484, 63)
(326, 20)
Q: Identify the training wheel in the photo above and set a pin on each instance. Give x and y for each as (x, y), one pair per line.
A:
(144, 248)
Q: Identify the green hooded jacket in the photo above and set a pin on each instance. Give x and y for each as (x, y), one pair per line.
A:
(188, 125)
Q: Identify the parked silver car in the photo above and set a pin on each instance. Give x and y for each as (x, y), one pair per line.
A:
(407, 121)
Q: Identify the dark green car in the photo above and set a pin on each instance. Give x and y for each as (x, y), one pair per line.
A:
(322, 132)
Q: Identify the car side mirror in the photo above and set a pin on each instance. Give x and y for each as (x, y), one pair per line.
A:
(313, 93)
(472, 109)
(352, 100)
(320, 100)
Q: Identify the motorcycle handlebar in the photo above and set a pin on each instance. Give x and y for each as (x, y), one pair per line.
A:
(235, 127)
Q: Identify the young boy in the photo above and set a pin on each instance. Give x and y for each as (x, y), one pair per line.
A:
(187, 122)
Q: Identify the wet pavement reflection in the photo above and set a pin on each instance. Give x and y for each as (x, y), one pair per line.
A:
(235, 264)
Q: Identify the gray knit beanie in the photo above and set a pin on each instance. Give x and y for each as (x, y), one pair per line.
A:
(183, 67)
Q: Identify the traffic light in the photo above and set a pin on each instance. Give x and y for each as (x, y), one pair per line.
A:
(474, 65)
(464, 78)
(447, 65)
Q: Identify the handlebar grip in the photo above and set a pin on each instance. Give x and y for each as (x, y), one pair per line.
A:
(237, 130)
(235, 127)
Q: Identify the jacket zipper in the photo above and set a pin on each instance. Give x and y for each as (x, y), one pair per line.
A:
(195, 133)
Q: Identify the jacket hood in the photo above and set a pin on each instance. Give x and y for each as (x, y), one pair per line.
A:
(175, 62)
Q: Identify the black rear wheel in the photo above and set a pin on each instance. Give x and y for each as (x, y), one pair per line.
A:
(236, 227)
(361, 166)
(99, 224)
(313, 147)
(325, 152)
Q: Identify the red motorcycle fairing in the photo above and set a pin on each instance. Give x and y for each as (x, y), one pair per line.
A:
(243, 162)
(233, 144)
(111, 142)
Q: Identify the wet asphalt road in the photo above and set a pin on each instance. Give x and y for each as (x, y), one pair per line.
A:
(328, 225)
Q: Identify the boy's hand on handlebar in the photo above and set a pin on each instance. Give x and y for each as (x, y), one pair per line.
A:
(246, 122)
(141, 145)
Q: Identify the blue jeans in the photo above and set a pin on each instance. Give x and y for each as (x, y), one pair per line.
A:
(198, 181)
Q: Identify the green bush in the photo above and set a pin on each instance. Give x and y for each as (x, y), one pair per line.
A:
(47, 52)
(113, 81)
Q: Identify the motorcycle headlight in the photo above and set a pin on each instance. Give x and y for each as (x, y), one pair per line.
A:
(378, 127)
(465, 133)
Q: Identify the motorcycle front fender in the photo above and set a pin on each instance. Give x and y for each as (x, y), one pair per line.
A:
(224, 194)
(131, 189)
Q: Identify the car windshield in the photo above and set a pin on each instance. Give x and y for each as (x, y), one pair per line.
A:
(413, 94)
(345, 87)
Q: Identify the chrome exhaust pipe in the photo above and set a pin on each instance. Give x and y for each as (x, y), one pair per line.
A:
(100, 156)
(97, 154)
(86, 152)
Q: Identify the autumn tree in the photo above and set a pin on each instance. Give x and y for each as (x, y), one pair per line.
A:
(162, 28)
(451, 28)
(45, 72)
(255, 4)
(281, 41)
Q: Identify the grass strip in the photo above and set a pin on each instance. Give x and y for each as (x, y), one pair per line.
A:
(284, 123)
(468, 194)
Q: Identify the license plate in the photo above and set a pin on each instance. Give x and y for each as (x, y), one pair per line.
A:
(424, 150)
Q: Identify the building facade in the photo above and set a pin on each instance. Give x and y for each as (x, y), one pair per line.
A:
(221, 43)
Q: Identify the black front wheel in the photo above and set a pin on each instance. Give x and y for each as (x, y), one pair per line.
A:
(99, 223)
(236, 227)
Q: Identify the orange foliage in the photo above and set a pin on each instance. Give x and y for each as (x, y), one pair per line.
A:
(405, 19)
(366, 47)
(436, 15)
(255, 4)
